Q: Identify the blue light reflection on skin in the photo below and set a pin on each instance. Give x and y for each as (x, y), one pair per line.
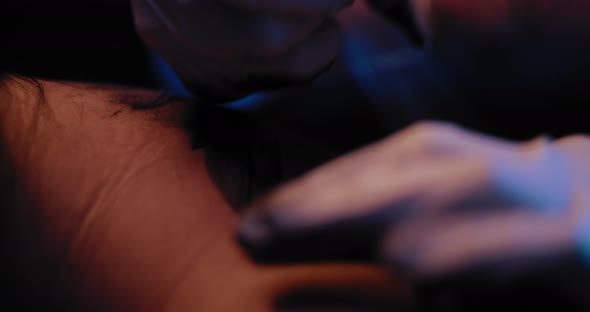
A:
(171, 83)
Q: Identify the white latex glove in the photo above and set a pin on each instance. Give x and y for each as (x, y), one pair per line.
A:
(229, 48)
(448, 199)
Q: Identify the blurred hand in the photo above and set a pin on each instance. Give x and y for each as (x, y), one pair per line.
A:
(228, 48)
(436, 199)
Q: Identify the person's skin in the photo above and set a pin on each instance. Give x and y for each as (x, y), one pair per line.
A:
(112, 210)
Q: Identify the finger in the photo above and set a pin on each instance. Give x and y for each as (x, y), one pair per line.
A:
(356, 197)
(346, 220)
(441, 247)
(292, 7)
(345, 215)
(395, 169)
(442, 165)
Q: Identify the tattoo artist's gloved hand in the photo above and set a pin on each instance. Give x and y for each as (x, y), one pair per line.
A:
(229, 48)
(434, 198)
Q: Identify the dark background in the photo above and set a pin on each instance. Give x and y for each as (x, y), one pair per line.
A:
(85, 40)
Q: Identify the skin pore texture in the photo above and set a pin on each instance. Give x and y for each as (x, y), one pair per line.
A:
(107, 207)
